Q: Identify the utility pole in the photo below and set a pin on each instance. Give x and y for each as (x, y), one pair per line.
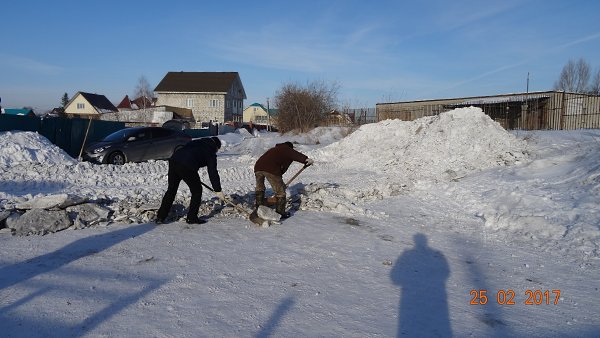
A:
(268, 116)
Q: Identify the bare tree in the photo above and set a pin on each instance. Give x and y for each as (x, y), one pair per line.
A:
(143, 90)
(595, 86)
(304, 107)
(574, 77)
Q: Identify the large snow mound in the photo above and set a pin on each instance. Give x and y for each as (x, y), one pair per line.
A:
(29, 147)
(254, 145)
(453, 144)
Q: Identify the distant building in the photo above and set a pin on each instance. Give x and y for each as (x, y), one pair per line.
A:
(337, 118)
(88, 105)
(20, 112)
(151, 116)
(57, 112)
(257, 114)
(139, 103)
(529, 111)
(212, 96)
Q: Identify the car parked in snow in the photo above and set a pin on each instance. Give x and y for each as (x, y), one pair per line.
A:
(136, 144)
(176, 124)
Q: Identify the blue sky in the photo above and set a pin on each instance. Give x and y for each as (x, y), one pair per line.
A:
(376, 51)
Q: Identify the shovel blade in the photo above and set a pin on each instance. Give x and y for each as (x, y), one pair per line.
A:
(270, 201)
(254, 218)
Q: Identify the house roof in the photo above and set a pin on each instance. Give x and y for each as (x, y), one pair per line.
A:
(125, 103)
(100, 102)
(484, 99)
(258, 105)
(139, 102)
(203, 82)
(503, 99)
(24, 111)
(272, 111)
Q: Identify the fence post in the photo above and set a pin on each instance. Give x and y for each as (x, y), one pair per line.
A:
(562, 110)
(85, 138)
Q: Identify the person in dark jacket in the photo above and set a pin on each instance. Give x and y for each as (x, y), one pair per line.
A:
(272, 165)
(184, 165)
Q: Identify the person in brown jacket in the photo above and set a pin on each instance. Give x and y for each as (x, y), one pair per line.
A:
(272, 165)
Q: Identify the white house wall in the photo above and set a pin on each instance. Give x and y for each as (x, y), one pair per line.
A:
(87, 109)
(201, 104)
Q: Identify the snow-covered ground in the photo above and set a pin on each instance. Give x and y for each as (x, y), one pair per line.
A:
(399, 227)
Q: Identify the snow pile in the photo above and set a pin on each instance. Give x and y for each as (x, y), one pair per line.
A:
(320, 135)
(394, 157)
(26, 147)
(250, 147)
(231, 139)
(449, 145)
(550, 202)
(377, 161)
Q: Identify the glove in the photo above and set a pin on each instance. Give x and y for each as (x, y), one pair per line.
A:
(309, 161)
(220, 195)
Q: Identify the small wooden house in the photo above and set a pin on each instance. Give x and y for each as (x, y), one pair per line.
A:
(257, 114)
(87, 105)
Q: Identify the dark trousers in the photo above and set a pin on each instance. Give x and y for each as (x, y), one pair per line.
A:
(177, 173)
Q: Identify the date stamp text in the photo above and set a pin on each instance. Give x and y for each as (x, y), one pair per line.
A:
(509, 297)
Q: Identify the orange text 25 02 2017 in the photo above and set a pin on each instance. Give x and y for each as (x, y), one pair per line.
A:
(509, 297)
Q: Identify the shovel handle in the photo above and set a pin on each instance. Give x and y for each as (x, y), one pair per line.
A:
(226, 200)
(296, 174)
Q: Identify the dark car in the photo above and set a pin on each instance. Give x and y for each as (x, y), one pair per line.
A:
(177, 124)
(136, 145)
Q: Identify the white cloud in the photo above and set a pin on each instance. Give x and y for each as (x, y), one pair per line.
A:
(314, 49)
(29, 65)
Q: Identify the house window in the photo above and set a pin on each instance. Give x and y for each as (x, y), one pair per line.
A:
(190, 103)
(81, 106)
(213, 103)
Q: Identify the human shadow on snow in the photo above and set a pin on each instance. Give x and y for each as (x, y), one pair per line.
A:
(20, 272)
(24, 271)
(24, 187)
(421, 272)
(268, 329)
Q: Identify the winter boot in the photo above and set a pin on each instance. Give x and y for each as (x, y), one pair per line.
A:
(260, 199)
(280, 207)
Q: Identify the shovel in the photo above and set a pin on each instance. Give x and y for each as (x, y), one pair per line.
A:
(272, 200)
(253, 217)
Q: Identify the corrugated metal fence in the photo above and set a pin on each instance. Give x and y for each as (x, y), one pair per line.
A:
(67, 134)
(561, 111)
(534, 111)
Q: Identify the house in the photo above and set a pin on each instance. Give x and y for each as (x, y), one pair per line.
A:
(57, 112)
(257, 114)
(553, 110)
(20, 112)
(212, 96)
(336, 118)
(126, 104)
(89, 105)
(144, 102)
(151, 116)
(139, 103)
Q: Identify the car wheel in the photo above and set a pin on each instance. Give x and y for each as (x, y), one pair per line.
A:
(116, 158)
(176, 148)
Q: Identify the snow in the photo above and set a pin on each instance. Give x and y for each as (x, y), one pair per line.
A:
(397, 228)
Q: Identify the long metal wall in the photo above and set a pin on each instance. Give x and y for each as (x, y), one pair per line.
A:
(552, 111)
